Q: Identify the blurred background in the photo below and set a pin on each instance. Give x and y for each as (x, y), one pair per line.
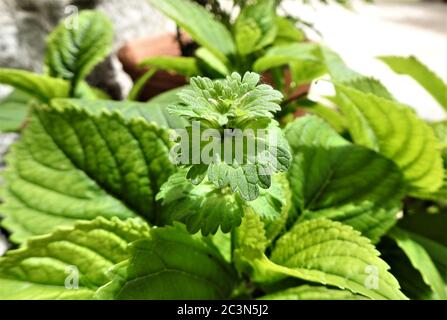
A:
(358, 32)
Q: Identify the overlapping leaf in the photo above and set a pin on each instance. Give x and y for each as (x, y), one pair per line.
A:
(335, 179)
(75, 47)
(72, 165)
(255, 27)
(170, 264)
(200, 25)
(71, 262)
(205, 207)
(395, 131)
(331, 253)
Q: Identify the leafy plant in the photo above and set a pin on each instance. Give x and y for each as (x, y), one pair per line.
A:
(72, 53)
(240, 46)
(98, 207)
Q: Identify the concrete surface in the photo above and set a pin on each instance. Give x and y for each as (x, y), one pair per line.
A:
(385, 28)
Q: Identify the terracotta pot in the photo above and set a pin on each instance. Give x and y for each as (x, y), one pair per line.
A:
(136, 51)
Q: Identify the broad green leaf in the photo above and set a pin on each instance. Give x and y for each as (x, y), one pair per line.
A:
(440, 129)
(395, 131)
(292, 53)
(200, 25)
(287, 32)
(410, 279)
(332, 178)
(331, 253)
(421, 261)
(341, 73)
(369, 85)
(186, 66)
(307, 292)
(152, 111)
(46, 265)
(13, 111)
(207, 208)
(170, 264)
(74, 50)
(304, 72)
(207, 58)
(419, 72)
(41, 87)
(328, 114)
(72, 165)
(255, 27)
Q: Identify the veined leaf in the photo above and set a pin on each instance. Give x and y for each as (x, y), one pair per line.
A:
(236, 102)
(73, 51)
(186, 66)
(332, 178)
(412, 67)
(421, 261)
(152, 111)
(331, 253)
(255, 27)
(170, 264)
(205, 207)
(307, 292)
(41, 87)
(440, 129)
(200, 25)
(47, 266)
(73, 165)
(13, 111)
(395, 131)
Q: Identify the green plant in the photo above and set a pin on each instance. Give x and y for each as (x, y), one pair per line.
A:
(94, 199)
(71, 55)
(257, 33)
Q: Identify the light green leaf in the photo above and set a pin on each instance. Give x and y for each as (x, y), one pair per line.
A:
(41, 269)
(41, 87)
(329, 114)
(154, 110)
(419, 72)
(307, 292)
(421, 261)
(200, 25)
(332, 178)
(331, 253)
(395, 131)
(73, 165)
(170, 264)
(13, 111)
(255, 27)
(73, 51)
(205, 207)
(287, 32)
(186, 66)
(292, 53)
(211, 61)
(236, 102)
(235, 108)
